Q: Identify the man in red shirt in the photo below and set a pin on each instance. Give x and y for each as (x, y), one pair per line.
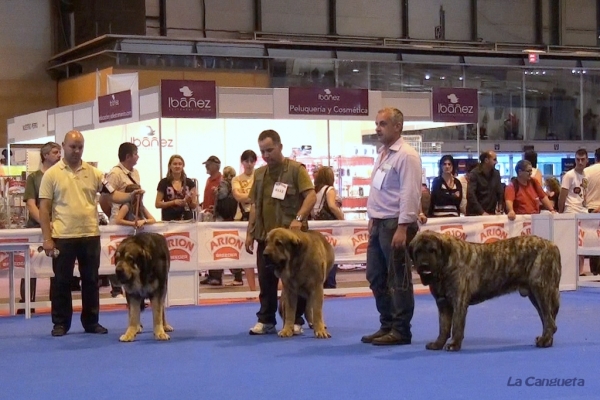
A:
(213, 165)
(524, 194)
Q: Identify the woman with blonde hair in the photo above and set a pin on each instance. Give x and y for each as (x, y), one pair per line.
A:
(176, 195)
(326, 208)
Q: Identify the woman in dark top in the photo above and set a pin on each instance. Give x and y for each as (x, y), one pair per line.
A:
(446, 191)
(176, 194)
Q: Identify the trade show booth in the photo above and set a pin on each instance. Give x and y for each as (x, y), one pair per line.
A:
(195, 119)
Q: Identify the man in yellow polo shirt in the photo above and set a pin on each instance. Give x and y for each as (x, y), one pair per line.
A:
(68, 193)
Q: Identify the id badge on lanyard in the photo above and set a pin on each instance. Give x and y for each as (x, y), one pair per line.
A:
(279, 190)
(380, 175)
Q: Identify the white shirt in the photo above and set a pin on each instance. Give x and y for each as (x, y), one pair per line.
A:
(400, 193)
(592, 173)
(119, 178)
(576, 184)
(321, 197)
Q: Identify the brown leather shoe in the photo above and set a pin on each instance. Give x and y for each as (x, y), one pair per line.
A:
(371, 337)
(392, 338)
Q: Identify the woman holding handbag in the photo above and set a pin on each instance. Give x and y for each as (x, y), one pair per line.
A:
(326, 208)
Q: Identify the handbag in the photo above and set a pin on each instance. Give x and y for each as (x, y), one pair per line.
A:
(324, 213)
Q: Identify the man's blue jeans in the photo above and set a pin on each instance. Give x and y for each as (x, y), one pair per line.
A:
(390, 277)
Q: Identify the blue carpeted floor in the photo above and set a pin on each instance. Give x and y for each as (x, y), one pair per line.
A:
(211, 356)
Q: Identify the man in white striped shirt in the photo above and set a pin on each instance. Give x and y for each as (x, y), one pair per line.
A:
(393, 208)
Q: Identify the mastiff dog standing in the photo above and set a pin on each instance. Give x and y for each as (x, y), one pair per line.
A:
(302, 260)
(460, 274)
(142, 265)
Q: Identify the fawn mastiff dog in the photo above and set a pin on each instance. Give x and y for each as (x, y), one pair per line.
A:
(142, 265)
(302, 261)
(460, 274)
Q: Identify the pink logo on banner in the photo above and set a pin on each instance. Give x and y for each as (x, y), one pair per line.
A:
(188, 99)
(115, 106)
(315, 101)
(455, 105)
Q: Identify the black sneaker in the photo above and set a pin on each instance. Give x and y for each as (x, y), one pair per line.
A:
(59, 330)
(99, 329)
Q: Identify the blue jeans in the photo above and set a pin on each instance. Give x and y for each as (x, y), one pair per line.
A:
(389, 277)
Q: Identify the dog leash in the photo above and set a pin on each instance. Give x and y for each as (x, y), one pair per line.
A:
(136, 217)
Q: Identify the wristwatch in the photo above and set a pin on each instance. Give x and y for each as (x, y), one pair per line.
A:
(299, 218)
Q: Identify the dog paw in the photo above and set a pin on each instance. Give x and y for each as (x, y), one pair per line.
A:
(127, 337)
(544, 341)
(168, 328)
(286, 332)
(140, 328)
(322, 334)
(434, 346)
(161, 336)
(452, 347)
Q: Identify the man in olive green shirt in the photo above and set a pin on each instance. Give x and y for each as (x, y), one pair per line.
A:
(282, 197)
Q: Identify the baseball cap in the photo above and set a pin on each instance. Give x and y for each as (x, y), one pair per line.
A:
(214, 159)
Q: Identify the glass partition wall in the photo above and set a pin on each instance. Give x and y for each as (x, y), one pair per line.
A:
(517, 101)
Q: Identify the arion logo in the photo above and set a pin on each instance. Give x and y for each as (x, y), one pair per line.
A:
(328, 96)
(360, 240)
(226, 244)
(181, 246)
(454, 230)
(492, 233)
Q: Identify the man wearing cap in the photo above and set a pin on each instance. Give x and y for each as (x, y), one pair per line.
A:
(213, 165)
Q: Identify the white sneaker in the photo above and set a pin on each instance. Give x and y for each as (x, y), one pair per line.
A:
(262, 329)
(298, 330)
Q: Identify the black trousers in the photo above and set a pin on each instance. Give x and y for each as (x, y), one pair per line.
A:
(268, 291)
(87, 253)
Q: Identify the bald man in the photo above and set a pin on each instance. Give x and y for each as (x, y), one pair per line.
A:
(68, 194)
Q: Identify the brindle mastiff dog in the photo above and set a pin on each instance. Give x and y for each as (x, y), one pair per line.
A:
(302, 261)
(460, 274)
(142, 265)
